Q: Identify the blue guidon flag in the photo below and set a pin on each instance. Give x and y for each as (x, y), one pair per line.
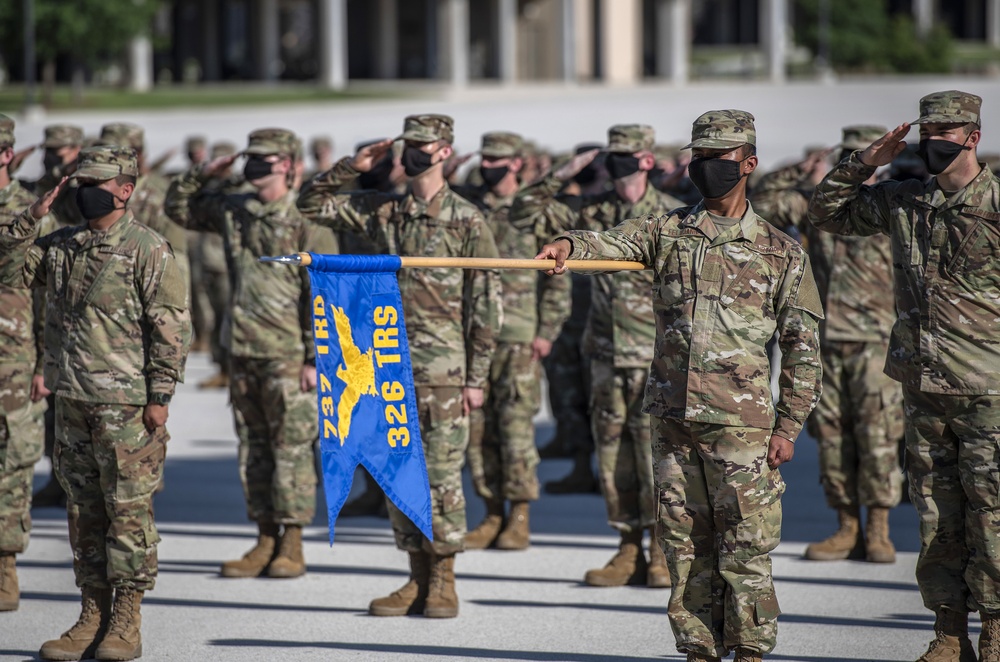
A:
(367, 403)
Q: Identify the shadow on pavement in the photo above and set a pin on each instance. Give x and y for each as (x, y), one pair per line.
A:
(444, 651)
(152, 599)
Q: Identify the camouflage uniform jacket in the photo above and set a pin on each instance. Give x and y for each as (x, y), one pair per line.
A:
(147, 204)
(270, 312)
(621, 328)
(117, 328)
(533, 306)
(22, 311)
(853, 273)
(946, 263)
(453, 316)
(718, 299)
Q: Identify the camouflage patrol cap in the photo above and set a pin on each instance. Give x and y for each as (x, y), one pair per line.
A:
(221, 149)
(62, 135)
(630, 138)
(951, 107)
(860, 136)
(6, 130)
(429, 128)
(273, 141)
(723, 129)
(501, 144)
(195, 143)
(122, 134)
(106, 162)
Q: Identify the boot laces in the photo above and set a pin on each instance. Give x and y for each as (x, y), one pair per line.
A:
(123, 613)
(89, 610)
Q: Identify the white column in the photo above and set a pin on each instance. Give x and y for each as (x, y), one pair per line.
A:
(582, 38)
(454, 28)
(507, 39)
(774, 36)
(673, 40)
(270, 55)
(388, 38)
(923, 15)
(993, 23)
(621, 41)
(333, 44)
(141, 64)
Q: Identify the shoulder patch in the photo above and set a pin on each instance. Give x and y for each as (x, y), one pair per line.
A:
(806, 296)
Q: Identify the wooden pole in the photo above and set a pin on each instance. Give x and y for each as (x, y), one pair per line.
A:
(503, 263)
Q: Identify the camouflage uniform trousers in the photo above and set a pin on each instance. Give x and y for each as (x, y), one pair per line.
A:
(218, 289)
(567, 371)
(109, 464)
(503, 458)
(21, 445)
(276, 424)
(622, 438)
(202, 315)
(953, 462)
(719, 517)
(858, 424)
(444, 432)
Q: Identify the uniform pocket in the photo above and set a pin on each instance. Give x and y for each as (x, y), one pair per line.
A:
(766, 609)
(139, 470)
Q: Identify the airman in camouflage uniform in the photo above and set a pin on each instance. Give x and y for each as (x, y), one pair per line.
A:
(859, 419)
(147, 201)
(117, 334)
(452, 320)
(502, 455)
(62, 144)
(21, 388)
(724, 282)
(619, 340)
(272, 361)
(943, 349)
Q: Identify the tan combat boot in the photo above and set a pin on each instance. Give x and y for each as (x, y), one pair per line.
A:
(411, 598)
(290, 561)
(878, 545)
(657, 575)
(483, 535)
(989, 638)
(123, 640)
(517, 533)
(442, 601)
(951, 641)
(846, 543)
(79, 641)
(628, 566)
(218, 380)
(259, 557)
(10, 592)
(701, 657)
(744, 654)
(580, 479)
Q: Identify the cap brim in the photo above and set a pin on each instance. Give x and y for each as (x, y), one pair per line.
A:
(620, 149)
(714, 143)
(939, 119)
(418, 137)
(497, 155)
(260, 150)
(96, 171)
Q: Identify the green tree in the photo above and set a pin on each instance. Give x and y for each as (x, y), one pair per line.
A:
(90, 32)
(864, 36)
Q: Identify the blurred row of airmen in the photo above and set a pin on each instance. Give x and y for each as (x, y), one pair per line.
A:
(110, 333)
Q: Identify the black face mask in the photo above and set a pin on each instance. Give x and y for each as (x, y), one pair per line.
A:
(621, 165)
(938, 154)
(95, 202)
(51, 161)
(493, 176)
(416, 161)
(257, 168)
(714, 177)
(378, 176)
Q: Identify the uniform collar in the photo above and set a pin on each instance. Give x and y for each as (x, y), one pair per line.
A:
(414, 206)
(747, 229)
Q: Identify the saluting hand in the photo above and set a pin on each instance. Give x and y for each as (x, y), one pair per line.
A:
(219, 164)
(888, 147)
(558, 251)
(44, 204)
(779, 451)
(19, 157)
(452, 165)
(368, 156)
(575, 165)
